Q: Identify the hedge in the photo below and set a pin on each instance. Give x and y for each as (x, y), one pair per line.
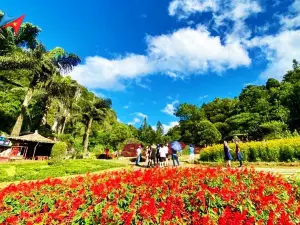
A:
(281, 150)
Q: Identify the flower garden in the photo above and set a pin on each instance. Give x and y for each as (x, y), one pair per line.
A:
(155, 196)
(280, 150)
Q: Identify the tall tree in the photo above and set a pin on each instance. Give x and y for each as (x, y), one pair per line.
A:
(92, 108)
(159, 132)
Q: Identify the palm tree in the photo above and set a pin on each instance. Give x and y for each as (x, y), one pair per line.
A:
(92, 109)
(63, 91)
(46, 66)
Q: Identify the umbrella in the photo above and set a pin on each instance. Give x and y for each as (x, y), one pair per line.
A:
(176, 146)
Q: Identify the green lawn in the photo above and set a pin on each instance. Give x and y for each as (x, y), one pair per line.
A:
(28, 170)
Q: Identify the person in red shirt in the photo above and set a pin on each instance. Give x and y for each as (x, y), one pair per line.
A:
(106, 152)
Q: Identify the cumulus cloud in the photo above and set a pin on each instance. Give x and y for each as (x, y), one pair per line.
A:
(170, 108)
(176, 54)
(184, 8)
(292, 19)
(99, 72)
(179, 52)
(197, 50)
(280, 50)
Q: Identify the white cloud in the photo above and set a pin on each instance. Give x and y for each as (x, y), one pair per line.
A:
(167, 127)
(176, 54)
(295, 7)
(99, 72)
(179, 52)
(126, 106)
(222, 11)
(142, 115)
(135, 121)
(204, 96)
(185, 8)
(170, 108)
(291, 22)
(280, 50)
(292, 19)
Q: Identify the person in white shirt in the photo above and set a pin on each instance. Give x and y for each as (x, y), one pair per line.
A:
(162, 154)
(166, 148)
(138, 155)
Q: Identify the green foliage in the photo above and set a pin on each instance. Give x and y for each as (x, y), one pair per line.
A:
(59, 150)
(57, 168)
(273, 129)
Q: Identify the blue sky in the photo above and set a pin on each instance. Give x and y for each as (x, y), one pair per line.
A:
(149, 55)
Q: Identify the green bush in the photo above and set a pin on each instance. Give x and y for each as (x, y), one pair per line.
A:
(54, 168)
(59, 150)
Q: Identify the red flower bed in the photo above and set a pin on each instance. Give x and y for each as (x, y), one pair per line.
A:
(154, 196)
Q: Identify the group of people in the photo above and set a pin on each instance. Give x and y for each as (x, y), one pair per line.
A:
(228, 156)
(157, 155)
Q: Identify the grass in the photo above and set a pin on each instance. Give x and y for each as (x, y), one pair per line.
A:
(37, 170)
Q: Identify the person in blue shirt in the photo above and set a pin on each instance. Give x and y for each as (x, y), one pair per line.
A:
(175, 157)
(238, 153)
(192, 154)
(227, 154)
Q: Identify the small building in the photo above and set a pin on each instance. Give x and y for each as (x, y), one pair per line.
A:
(33, 146)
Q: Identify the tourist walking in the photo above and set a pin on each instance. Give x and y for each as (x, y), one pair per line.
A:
(175, 157)
(227, 154)
(238, 153)
(153, 156)
(138, 155)
(192, 154)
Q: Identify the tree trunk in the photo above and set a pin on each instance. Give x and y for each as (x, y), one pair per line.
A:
(18, 125)
(86, 136)
(45, 114)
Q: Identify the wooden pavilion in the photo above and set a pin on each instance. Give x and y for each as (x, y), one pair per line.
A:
(33, 146)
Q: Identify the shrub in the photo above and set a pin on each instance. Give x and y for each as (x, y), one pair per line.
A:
(283, 150)
(59, 150)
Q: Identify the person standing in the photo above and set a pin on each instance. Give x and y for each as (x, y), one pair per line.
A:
(192, 154)
(227, 154)
(162, 156)
(157, 154)
(175, 157)
(138, 155)
(147, 155)
(167, 154)
(153, 155)
(238, 153)
(106, 152)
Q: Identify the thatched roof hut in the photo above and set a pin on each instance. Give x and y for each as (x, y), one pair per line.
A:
(35, 145)
(35, 137)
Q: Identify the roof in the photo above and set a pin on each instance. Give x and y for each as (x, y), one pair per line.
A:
(33, 138)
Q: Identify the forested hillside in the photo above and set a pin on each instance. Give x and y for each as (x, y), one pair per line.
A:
(269, 111)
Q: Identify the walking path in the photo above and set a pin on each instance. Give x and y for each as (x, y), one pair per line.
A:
(286, 171)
